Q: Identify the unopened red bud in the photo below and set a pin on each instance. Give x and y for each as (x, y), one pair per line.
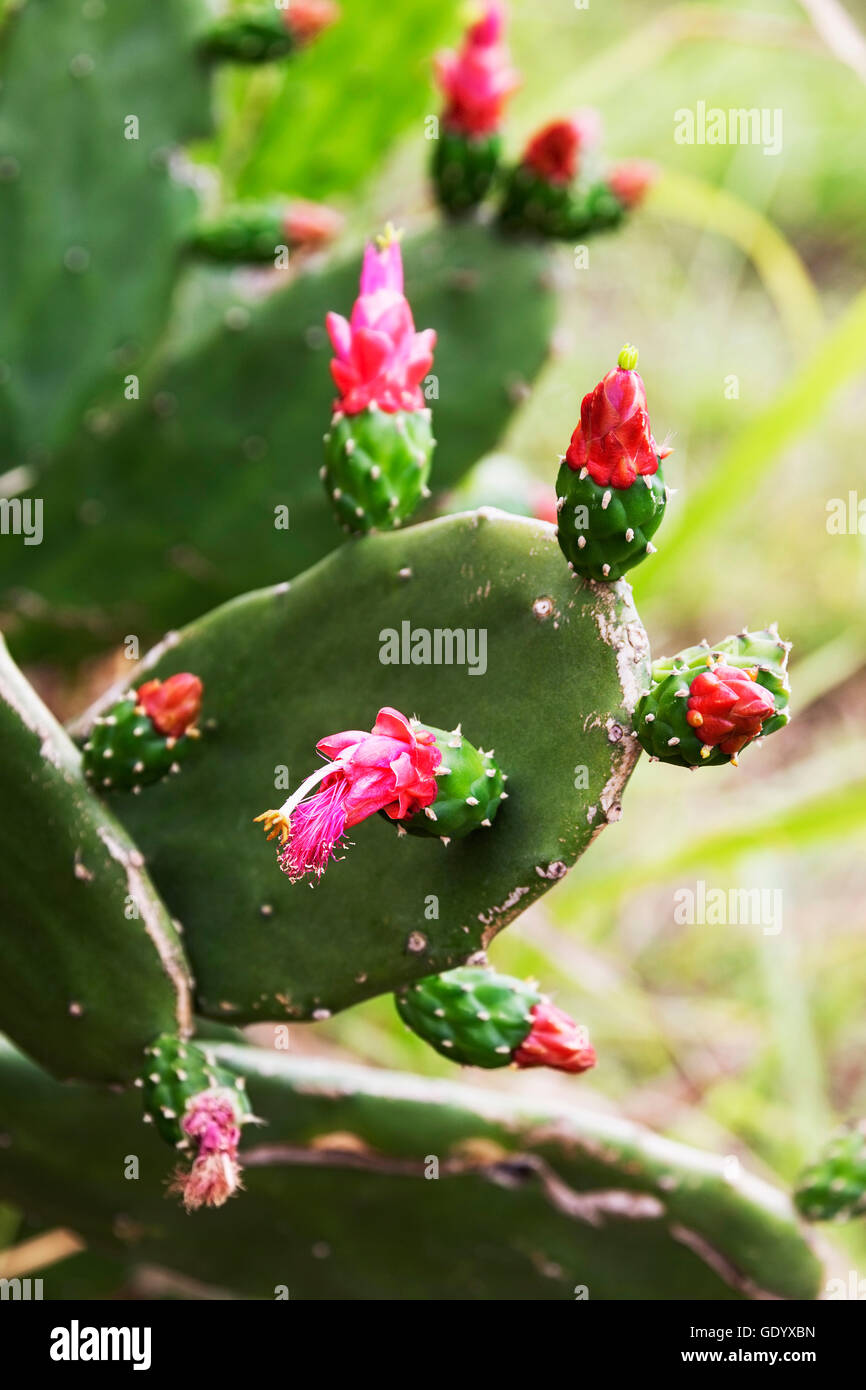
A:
(173, 705)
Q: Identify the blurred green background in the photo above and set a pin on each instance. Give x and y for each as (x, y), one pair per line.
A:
(741, 266)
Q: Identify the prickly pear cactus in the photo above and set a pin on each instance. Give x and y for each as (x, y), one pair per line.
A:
(93, 962)
(237, 415)
(834, 1187)
(481, 592)
(537, 1199)
(117, 937)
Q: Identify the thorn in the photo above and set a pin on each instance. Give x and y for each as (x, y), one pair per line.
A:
(472, 801)
(446, 839)
(605, 569)
(375, 472)
(430, 813)
(605, 501)
(649, 718)
(487, 822)
(650, 548)
(629, 535)
(672, 742)
(581, 542)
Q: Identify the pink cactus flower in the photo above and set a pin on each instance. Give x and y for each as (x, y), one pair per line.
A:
(392, 769)
(172, 705)
(613, 441)
(478, 80)
(311, 224)
(212, 1122)
(380, 359)
(555, 1040)
(631, 180)
(554, 152)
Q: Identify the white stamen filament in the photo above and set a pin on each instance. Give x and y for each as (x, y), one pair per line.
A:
(297, 796)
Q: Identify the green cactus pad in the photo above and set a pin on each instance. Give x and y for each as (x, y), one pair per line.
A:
(236, 416)
(124, 751)
(94, 99)
(834, 1188)
(92, 964)
(470, 792)
(605, 531)
(464, 169)
(285, 667)
(661, 712)
(377, 464)
(536, 1197)
(471, 1015)
(174, 1073)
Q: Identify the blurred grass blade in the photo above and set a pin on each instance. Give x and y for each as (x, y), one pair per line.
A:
(783, 274)
(840, 358)
(833, 814)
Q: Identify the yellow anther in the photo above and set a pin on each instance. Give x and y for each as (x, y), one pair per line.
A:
(275, 824)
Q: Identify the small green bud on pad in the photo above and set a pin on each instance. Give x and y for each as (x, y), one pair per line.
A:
(834, 1187)
(145, 736)
(199, 1108)
(479, 1018)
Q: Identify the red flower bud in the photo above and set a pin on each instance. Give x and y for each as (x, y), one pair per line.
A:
(613, 441)
(553, 153)
(631, 180)
(307, 18)
(311, 224)
(555, 1040)
(172, 705)
(727, 707)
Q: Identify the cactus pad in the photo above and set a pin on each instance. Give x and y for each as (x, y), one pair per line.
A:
(93, 968)
(274, 665)
(537, 1198)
